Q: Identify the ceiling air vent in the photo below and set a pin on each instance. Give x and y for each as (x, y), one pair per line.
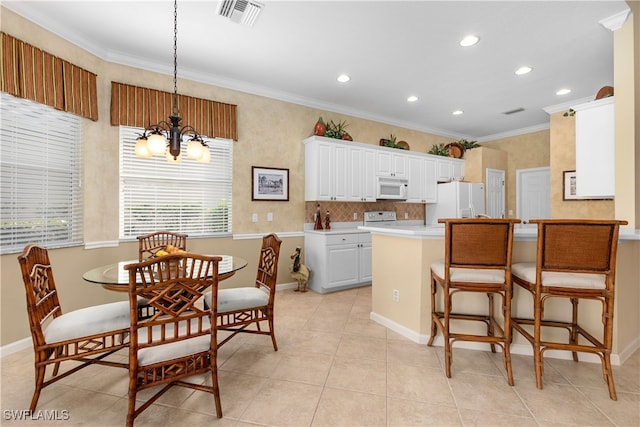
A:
(517, 110)
(241, 11)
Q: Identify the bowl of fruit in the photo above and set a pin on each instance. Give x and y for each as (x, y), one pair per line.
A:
(171, 267)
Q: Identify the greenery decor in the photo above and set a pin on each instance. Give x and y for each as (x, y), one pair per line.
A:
(570, 113)
(468, 145)
(439, 150)
(337, 131)
(390, 142)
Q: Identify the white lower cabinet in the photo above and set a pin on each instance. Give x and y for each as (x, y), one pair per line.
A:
(338, 260)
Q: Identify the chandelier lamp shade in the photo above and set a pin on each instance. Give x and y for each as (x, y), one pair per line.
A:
(165, 138)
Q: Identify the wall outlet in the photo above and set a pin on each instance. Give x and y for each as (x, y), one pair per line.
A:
(510, 213)
(406, 215)
(270, 216)
(355, 215)
(396, 295)
(254, 217)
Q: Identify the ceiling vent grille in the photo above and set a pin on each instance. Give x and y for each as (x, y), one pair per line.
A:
(517, 110)
(241, 11)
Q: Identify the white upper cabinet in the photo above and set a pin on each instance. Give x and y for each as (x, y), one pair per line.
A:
(362, 174)
(449, 169)
(338, 170)
(326, 167)
(390, 163)
(595, 161)
(422, 180)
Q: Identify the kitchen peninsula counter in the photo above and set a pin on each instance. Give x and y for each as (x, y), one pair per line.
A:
(401, 259)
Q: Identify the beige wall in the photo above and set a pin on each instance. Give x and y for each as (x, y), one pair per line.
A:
(627, 118)
(526, 151)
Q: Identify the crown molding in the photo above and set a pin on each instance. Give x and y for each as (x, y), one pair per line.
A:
(615, 22)
(565, 105)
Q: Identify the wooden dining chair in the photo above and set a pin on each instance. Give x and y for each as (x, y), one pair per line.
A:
(477, 259)
(576, 259)
(148, 246)
(151, 243)
(87, 335)
(178, 340)
(241, 310)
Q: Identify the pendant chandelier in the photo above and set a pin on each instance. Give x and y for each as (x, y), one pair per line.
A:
(165, 138)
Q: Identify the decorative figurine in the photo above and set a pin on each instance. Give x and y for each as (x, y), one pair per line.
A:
(327, 221)
(299, 271)
(318, 219)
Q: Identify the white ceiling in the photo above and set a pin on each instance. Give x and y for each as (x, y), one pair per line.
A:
(391, 49)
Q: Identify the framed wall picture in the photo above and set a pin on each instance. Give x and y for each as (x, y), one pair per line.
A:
(569, 188)
(269, 184)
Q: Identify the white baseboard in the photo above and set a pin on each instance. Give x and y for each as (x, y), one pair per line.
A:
(523, 349)
(15, 346)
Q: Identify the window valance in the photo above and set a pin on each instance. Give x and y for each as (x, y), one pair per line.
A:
(141, 107)
(31, 73)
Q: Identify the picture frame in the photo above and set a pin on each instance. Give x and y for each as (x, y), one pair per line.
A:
(270, 184)
(569, 187)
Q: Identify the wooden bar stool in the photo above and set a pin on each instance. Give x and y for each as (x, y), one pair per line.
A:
(477, 259)
(576, 259)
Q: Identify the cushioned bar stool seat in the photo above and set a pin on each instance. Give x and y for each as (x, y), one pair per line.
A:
(477, 260)
(576, 259)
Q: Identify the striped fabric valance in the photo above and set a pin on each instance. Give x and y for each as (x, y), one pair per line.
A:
(31, 73)
(142, 107)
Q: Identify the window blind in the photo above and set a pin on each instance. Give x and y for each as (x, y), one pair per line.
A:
(187, 197)
(40, 176)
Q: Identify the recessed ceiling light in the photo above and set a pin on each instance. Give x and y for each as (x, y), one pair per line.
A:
(523, 70)
(457, 112)
(412, 98)
(343, 78)
(563, 91)
(469, 41)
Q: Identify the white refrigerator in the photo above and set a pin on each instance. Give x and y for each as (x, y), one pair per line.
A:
(456, 199)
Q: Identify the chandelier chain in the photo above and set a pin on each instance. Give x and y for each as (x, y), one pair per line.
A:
(175, 57)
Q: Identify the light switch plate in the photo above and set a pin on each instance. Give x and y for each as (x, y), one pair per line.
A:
(254, 217)
(270, 216)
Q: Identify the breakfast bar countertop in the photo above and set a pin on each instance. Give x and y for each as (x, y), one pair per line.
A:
(521, 232)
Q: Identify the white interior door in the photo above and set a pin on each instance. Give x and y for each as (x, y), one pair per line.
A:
(495, 193)
(533, 193)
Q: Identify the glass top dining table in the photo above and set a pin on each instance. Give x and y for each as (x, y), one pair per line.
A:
(114, 277)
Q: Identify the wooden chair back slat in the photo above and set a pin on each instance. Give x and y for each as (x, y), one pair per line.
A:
(43, 303)
(151, 243)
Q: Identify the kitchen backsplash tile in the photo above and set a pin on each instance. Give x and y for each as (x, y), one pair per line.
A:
(343, 211)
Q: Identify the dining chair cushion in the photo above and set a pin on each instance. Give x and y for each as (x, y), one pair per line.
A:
(233, 299)
(89, 321)
(174, 350)
(473, 275)
(527, 271)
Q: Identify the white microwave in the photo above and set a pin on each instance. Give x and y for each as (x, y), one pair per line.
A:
(391, 188)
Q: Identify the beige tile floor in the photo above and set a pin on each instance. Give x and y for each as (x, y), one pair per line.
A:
(335, 367)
